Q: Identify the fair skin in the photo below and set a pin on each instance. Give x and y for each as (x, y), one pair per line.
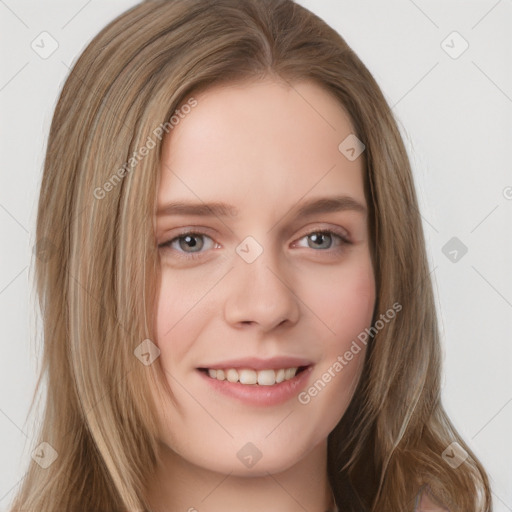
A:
(266, 149)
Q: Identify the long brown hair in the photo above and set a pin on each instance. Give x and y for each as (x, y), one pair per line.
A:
(96, 282)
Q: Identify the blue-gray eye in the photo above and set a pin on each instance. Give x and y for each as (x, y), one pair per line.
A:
(321, 238)
(326, 239)
(188, 243)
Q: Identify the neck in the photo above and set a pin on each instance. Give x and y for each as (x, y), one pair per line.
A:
(178, 484)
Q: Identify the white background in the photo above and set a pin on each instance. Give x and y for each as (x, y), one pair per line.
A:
(455, 115)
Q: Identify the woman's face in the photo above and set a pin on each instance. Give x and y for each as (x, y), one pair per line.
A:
(254, 279)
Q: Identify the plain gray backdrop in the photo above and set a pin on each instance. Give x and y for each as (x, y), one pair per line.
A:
(444, 67)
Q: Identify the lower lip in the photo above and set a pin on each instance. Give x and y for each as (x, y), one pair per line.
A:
(254, 394)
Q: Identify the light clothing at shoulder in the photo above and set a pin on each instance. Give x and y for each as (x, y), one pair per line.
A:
(426, 504)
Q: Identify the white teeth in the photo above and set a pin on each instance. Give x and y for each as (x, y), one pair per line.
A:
(266, 377)
(232, 375)
(248, 376)
(289, 373)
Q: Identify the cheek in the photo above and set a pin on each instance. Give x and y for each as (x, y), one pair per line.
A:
(178, 303)
(342, 298)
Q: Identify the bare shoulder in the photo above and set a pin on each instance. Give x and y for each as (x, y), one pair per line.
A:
(429, 504)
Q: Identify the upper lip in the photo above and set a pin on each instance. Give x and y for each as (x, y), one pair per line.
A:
(255, 363)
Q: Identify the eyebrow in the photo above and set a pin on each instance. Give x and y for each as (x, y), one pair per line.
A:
(307, 209)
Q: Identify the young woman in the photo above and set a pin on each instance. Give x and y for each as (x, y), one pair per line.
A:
(238, 312)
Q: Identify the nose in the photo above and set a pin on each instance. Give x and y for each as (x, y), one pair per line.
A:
(261, 293)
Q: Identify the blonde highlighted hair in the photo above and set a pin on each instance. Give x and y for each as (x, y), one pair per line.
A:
(96, 284)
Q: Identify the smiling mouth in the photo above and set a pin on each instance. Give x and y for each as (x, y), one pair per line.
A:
(249, 376)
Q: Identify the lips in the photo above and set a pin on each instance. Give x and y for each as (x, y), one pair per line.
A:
(254, 363)
(262, 394)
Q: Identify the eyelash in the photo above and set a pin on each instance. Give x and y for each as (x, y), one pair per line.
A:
(195, 255)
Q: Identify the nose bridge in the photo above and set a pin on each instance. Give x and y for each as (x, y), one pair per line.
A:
(259, 288)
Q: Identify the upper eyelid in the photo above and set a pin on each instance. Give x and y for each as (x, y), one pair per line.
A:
(345, 237)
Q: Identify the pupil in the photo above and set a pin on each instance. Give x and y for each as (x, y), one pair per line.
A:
(190, 243)
(318, 237)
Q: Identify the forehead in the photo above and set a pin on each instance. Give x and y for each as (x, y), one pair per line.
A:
(260, 140)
